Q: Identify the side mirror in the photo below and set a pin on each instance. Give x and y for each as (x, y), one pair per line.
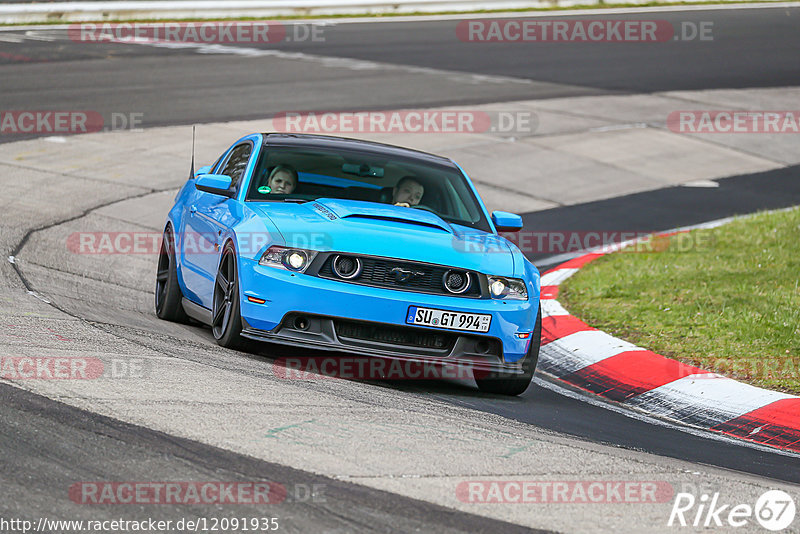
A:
(506, 222)
(216, 184)
(202, 170)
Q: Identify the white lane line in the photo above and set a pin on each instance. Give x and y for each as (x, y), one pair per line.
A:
(325, 61)
(40, 36)
(38, 296)
(12, 38)
(615, 127)
(701, 183)
(333, 62)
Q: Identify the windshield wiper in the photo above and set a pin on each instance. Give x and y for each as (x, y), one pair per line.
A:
(296, 200)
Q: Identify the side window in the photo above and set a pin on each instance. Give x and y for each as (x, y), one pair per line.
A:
(237, 163)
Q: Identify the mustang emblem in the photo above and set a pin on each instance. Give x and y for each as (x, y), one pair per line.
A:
(401, 276)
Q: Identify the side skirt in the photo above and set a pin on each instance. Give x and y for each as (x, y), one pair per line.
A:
(197, 312)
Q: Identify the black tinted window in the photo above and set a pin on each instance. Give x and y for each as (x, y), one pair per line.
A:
(351, 175)
(237, 163)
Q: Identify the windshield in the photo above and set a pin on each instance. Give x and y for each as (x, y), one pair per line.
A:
(302, 174)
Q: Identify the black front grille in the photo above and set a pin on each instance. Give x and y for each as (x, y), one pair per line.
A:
(426, 278)
(410, 337)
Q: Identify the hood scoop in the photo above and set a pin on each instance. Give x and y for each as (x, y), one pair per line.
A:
(397, 219)
(356, 209)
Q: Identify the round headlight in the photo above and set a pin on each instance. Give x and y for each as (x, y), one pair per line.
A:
(497, 287)
(296, 260)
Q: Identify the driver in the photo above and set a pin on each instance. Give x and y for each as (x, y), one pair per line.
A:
(282, 180)
(408, 192)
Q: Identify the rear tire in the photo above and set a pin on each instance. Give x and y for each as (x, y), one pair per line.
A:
(168, 298)
(512, 384)
(226, 322)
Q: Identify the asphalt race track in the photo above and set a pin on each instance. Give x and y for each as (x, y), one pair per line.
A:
(752, 48)
(385, 65)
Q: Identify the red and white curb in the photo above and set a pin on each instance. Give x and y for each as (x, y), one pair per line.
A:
(584, 357)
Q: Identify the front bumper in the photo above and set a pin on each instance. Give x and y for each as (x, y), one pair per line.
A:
(337, 310)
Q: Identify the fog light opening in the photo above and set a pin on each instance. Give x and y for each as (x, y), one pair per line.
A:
(346, 267)
(456, 282)
(301, 323)
(482, 347)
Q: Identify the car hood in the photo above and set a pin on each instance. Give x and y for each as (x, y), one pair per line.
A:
(389, 231)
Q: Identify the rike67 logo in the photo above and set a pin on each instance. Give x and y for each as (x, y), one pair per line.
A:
(774, 510)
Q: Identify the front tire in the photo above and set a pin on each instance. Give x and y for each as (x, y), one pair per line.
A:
(168, 293)
(508, 384)
(226, 322)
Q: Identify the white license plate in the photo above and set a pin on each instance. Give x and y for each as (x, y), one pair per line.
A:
(469, 322)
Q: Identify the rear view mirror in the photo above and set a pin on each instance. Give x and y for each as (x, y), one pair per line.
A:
(216, 184)
(362, 170)
(506, 222)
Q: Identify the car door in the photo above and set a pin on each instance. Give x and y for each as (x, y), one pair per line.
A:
(207, 217)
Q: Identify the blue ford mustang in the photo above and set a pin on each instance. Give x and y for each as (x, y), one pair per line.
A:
(348, 245)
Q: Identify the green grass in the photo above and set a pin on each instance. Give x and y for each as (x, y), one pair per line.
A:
(56, 21)
(726, 300)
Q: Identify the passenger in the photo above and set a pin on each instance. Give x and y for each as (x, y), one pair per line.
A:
(282, 180)
(408, 192)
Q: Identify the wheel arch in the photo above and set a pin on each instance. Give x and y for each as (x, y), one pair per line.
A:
(170, 226)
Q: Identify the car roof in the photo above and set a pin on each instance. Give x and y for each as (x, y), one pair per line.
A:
(360, 145)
